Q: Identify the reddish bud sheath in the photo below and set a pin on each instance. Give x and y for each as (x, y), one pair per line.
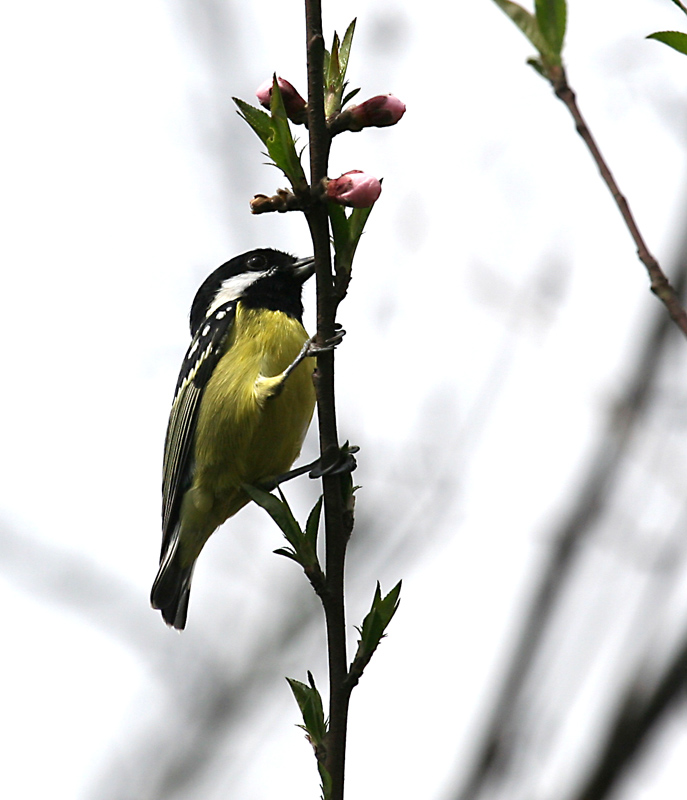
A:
(293, 102)
(378, 112)
(355, 189)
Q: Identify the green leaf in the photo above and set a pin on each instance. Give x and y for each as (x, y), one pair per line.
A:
(378, 618)
(310, 704)
(275, 133)
(336, 64)
(349, 97)
(259, 120)
(312, 525)
(345, 50)
(356, 223)
(551, 18)
(333, 68)
(346, 233)
(327, 57)
(326, 781)
(530, 27)
(674, 39)
(282, 148)
(279, 511)
(288, 552)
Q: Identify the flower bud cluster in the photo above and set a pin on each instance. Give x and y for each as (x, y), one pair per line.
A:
(354, 188)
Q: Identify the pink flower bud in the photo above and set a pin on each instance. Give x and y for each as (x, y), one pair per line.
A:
(378, 112)
(355, 188)
(293, 102)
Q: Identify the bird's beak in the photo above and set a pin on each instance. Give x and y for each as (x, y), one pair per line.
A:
(304, 268)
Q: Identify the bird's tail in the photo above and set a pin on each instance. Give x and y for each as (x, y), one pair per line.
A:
(172, 588)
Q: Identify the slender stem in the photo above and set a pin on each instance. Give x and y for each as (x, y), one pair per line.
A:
(336, 535)
(660, 285)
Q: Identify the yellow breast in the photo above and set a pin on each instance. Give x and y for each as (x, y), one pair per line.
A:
(240, 436)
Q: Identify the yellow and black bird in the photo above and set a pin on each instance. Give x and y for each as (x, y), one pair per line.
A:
(243, 404)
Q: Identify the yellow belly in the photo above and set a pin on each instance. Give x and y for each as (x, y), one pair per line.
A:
(241, 436)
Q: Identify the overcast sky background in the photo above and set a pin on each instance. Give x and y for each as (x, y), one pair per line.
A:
(496, 304)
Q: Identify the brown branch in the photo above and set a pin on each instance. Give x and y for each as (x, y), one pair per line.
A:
(660, 285)
(336, 534)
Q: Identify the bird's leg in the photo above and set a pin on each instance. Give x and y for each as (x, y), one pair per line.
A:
(335, 461)
(271, 387)
(310, 348)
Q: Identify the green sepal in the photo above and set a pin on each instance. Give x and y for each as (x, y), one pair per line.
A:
(259, 120)
(345, 49)
(310, 703)
(377, 620)
(326, 781)
(275, 133)
(303, 548)
(674, 39)
(551, 19)
(278, 509)
(529, 25)
(335, 67)
(346, 233)
(312, 526)
(537, 66)
(349, 97)
(288, 552)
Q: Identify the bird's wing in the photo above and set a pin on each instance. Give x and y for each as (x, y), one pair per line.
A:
(205, 350)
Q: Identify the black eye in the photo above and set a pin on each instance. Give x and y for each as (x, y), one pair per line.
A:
(257, 262)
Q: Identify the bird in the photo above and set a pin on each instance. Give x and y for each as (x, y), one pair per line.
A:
(243, 403)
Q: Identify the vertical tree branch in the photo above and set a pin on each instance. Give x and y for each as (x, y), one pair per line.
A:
(335, 532)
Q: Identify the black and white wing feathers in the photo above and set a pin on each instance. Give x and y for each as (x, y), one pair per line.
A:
(202, 356)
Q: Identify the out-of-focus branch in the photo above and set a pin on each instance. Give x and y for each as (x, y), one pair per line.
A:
(495, 750)
(639, 712)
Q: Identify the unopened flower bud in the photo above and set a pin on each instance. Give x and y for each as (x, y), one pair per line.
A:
(293, 102)
(378, 112)
(355, 188)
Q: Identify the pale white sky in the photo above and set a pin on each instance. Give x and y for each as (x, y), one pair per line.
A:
(495, 303)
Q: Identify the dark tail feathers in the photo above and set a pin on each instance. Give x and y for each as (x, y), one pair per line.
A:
(172, 588)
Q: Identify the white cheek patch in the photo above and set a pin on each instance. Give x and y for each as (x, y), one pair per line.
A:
(234, 288)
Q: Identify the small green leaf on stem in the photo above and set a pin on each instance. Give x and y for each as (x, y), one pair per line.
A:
(349, 97)
(259, 120)
(551, 19)
(279, 510)
(275, 133)
(378, 618)
(345, 50)
(313, 524)
(335, 66)
(310, 704)
(303, 548)
(346, 233)
(674, 39)
(530, 27)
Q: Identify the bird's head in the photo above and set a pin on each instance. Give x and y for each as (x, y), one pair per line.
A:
(263, 278)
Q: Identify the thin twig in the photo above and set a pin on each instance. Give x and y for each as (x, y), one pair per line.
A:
(660, 285)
